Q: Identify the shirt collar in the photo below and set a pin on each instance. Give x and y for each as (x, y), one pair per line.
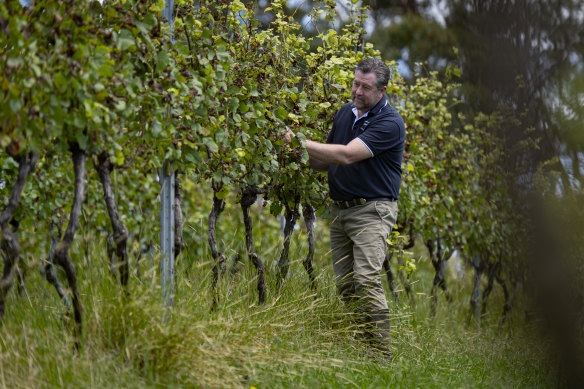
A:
(378, 108)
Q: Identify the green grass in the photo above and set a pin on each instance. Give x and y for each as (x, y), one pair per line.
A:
(299, 338)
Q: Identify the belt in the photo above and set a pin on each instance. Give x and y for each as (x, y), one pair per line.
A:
(359, 201)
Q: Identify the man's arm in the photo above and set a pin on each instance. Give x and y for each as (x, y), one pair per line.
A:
(318, 165)
(321, 155)
(328, 153)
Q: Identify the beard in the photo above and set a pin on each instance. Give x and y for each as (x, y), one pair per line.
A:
(362, 103)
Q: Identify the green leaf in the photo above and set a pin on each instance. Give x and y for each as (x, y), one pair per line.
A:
(211, 144)
(120, 105)
(119, 157)
(13, 62)
(162, 60)
(223, 192)
(243, 107)
(156, 128)
(60, 81)
(281, 113)
(79, 121)
(9, 163)
(15, 105)
(276, 208)
(82, 140)
(125, 40)
(222, 53)
(234, 104)
(150, 21)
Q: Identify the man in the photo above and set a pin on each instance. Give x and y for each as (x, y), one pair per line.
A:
(363, 155)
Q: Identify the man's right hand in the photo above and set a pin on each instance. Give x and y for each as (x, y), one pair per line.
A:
(289, 134)
(313, 162)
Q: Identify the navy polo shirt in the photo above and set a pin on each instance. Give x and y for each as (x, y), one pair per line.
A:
(382, 130)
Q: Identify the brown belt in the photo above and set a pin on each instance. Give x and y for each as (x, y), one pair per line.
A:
(359, 201)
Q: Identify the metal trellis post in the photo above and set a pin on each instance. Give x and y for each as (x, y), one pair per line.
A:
(167, 209)
(167, 234)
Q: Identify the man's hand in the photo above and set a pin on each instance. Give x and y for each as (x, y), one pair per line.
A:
(313, 162)
(288, 136)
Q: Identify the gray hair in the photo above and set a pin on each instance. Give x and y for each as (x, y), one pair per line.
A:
(376, 66)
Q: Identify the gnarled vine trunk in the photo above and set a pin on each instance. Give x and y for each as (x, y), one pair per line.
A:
(104, 169)
(9, 242)
(249, 196)
(309, 221)
(494, 272)
(218, 257)
(61, 251)
(291, 216)
(438, 261)
(49, 269)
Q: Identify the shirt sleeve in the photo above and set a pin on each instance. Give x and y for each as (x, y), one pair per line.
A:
(382, 136)
(370, 152)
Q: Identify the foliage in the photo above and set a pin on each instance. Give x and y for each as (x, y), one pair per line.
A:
(453, 186)
(214, 95)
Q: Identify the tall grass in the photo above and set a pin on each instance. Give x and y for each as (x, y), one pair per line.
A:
(299, 338)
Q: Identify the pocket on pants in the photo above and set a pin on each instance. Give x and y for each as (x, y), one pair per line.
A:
(387, 211)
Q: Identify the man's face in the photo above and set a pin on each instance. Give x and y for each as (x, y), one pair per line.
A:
(364, 93)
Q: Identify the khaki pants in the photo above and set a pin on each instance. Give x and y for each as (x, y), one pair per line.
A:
(358, 245)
